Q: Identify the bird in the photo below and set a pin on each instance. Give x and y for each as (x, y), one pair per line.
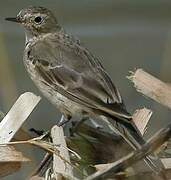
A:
(72, 78)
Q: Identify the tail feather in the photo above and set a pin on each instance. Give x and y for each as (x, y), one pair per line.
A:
(130, 133)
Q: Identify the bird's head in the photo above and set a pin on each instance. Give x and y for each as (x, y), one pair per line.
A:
(36, 20)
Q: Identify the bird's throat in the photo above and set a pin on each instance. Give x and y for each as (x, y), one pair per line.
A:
(28, 36)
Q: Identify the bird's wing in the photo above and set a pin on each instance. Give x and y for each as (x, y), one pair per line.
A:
(70, 69)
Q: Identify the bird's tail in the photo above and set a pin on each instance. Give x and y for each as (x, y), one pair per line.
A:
(132, 136)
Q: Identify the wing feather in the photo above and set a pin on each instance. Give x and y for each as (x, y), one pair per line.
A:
(73, 72)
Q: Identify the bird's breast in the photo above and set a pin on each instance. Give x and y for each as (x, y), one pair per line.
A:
(58, 100)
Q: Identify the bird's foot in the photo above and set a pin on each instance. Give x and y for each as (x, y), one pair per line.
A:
(95, 124)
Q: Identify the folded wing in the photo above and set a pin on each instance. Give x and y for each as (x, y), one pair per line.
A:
(72, 70)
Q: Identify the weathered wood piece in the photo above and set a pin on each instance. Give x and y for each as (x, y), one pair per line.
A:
(151, 87)
(10, 159)
(61, 168)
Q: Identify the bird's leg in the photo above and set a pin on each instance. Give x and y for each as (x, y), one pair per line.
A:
(76, 126)
(37, 131)
(95, 124)
(85, 118)
(64, 120)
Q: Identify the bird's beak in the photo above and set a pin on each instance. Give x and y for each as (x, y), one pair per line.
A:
(13, 19)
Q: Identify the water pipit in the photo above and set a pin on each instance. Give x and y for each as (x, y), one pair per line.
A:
(71, 77)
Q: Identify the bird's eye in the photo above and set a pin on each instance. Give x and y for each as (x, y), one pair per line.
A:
(38, 19)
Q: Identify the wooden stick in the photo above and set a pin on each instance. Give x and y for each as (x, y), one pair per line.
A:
(17, 116)
(10, 159)
(141, 118)
(60, 167)
(155, 142)
(151, 87)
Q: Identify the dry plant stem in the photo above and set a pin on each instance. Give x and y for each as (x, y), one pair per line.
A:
(41, 144)
(47, 146)
(155, 142)
(58, 150)
(141, 118)
(60, 167)
(151, 87)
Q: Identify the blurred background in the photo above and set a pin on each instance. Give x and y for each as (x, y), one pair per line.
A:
(124, 35)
